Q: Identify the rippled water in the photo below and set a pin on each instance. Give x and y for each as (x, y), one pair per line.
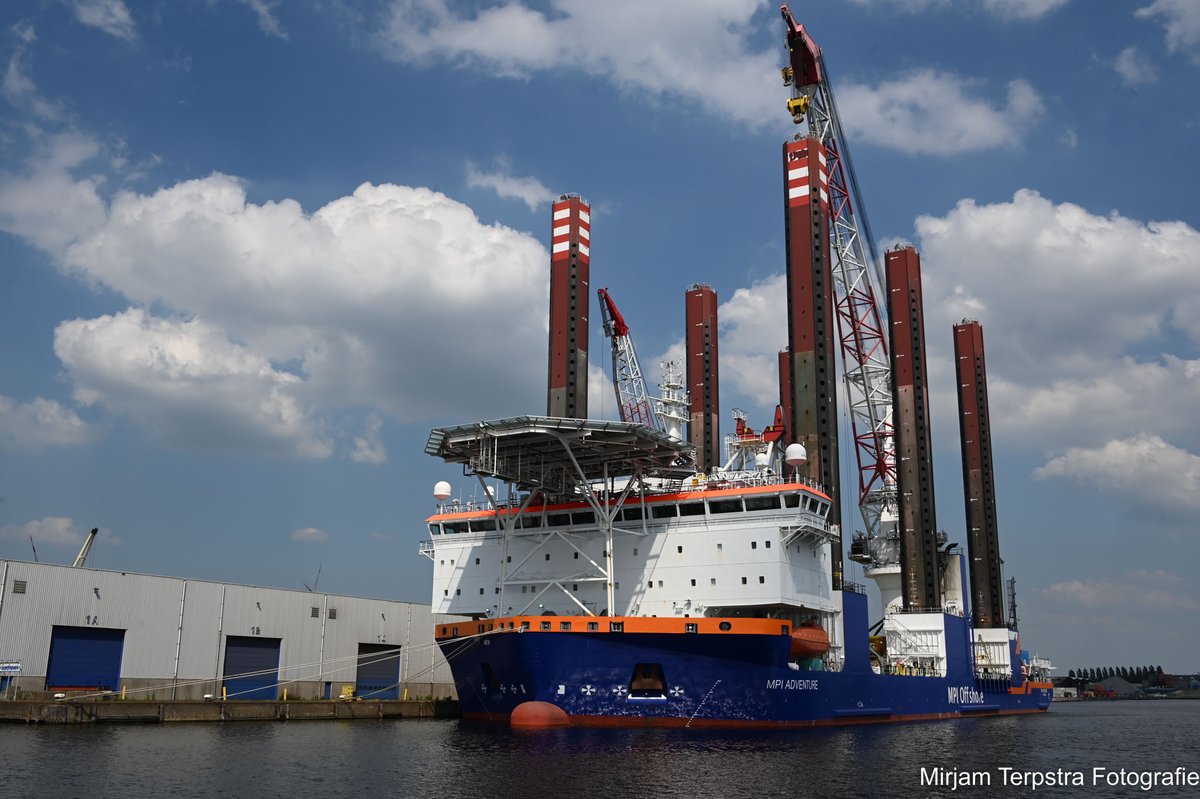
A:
(447, 759)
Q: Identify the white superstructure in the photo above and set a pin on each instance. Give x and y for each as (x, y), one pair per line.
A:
(637, 544)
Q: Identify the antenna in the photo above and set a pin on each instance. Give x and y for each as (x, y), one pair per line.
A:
(314, 585)
(35, 560)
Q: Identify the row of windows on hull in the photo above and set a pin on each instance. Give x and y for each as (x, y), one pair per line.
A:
(533, 589)
(665, 510)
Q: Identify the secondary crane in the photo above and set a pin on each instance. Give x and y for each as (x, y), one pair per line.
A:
(632, 399)
(856, 275)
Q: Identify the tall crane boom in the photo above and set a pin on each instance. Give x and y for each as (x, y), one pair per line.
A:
(863, 336)
(632, 399)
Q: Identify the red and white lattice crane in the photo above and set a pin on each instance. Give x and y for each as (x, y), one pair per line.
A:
(858, 283)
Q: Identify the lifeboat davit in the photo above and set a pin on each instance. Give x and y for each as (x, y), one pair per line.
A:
(809, 641)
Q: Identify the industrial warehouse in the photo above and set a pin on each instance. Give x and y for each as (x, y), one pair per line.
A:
(65, 629)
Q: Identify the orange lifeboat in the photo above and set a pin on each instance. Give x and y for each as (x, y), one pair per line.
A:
(809, 641)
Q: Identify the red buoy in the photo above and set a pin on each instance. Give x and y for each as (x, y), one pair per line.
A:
(539, 714)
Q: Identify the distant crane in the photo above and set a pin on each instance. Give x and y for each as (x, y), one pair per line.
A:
(632, 399)
(314, 585)
(84, 550)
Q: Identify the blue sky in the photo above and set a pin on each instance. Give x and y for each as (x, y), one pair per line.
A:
(251, 252)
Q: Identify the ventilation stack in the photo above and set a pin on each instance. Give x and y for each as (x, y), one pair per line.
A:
(921, 580)
(570, 242)
(703, 376)
(812, 338)
(983, 538)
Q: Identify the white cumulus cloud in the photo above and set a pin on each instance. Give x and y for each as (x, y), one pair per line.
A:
(937, 113)
(1133, 67)
(110, 16)
(1141, 590)
(1004, 9)
(1181, 18)
(368, 448)
(187, 384)
(49, 530)
(528, 189)
(1144, 468)
(41, 423)
(309, 535)
(264, 13)
(698, 51)
(275, 328)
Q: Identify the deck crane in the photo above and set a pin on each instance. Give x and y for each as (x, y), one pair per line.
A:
(86, 549)
(858, 282)
(632, 399)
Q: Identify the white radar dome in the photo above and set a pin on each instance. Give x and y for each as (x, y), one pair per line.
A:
(441, 491)
(761, 461)
(795, 454)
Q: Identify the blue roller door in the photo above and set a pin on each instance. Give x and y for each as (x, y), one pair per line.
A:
(251, 667)
(85, 658)
(378, 675)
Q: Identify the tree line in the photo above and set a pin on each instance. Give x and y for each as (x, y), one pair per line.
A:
(1133, 674)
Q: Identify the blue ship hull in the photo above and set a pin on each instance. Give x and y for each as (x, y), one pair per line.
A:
(711, 680)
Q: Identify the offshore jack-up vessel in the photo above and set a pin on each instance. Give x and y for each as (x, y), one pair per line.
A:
(625, 575)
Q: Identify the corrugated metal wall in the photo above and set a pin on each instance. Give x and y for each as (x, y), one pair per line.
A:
(176, 628)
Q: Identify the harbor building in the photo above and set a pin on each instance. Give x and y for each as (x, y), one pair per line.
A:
(68, 629)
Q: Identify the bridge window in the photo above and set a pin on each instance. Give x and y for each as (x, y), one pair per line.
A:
(435, 529)
(584, 517)
(558, 519)
(791, 500)
(455, 527)
(632, 514)
(666, 511)
(529, 521)
(483, 525)
(762, 503)
(691, 509)
(725, 506)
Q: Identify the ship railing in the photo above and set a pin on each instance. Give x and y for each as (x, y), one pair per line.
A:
(845, 585)
(426, 548)
(946, 609)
